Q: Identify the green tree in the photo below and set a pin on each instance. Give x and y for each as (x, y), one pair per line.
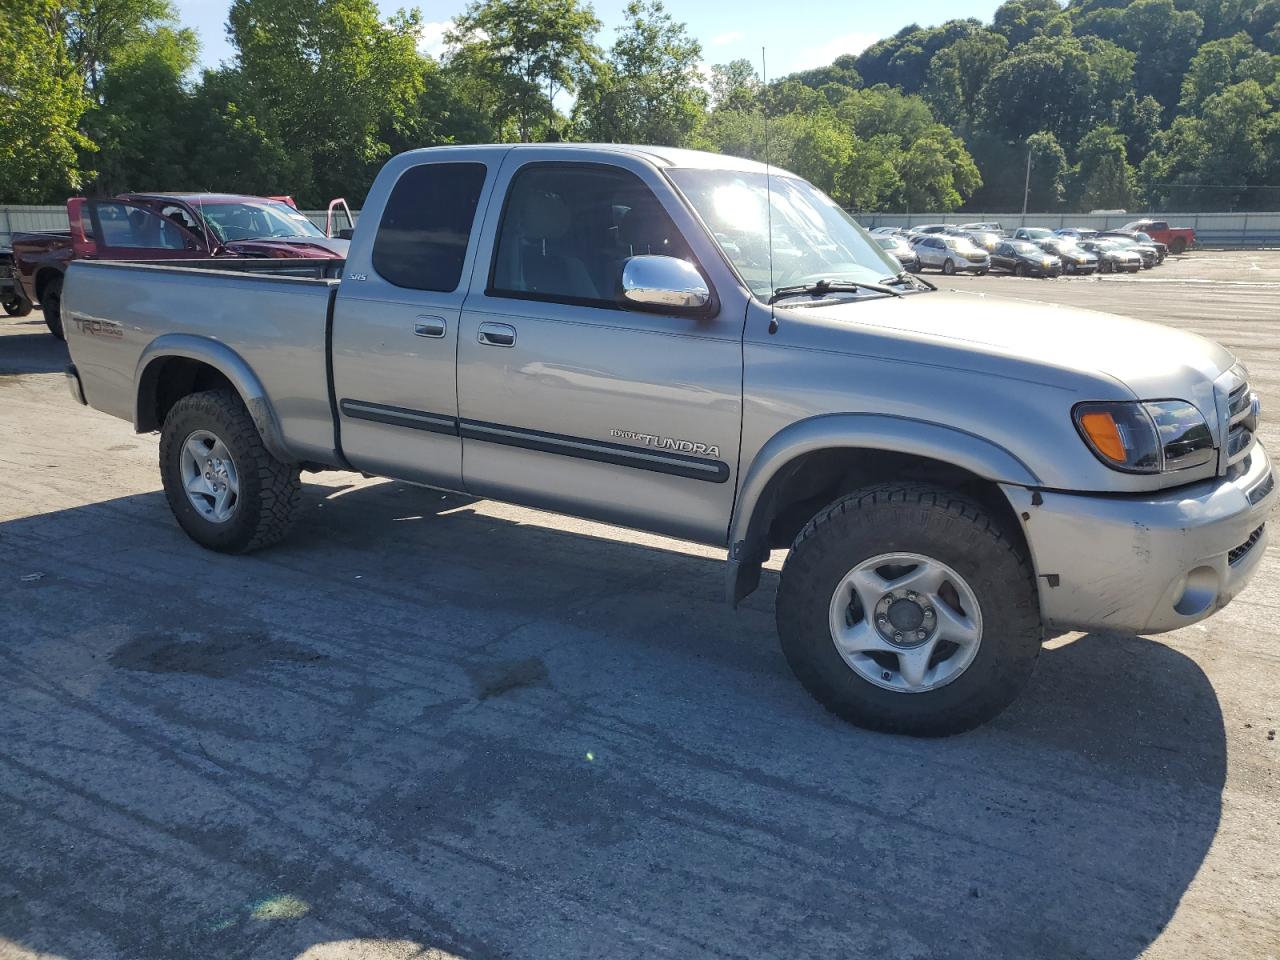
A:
(1058, 84)
(143, 126)
(1049, 172)
(958, 73)
(327, 77)
(648, 89)
(1219, 64)
(95, 31)
(735, 86)
(1104, 179)
(1023, 20)
(525, 52)
(1138, 118)
(41, 106)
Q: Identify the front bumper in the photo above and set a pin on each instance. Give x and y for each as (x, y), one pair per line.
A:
(1151, 562)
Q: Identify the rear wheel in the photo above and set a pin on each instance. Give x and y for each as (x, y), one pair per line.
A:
(1019, 269)
(51, 306)
(905, 608)
(226, 490)
(16, 305)
(1178, 246)
(948, 266)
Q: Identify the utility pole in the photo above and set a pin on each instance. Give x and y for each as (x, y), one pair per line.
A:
(1026, 187)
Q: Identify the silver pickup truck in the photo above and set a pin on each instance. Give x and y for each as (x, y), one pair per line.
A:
(693, 345)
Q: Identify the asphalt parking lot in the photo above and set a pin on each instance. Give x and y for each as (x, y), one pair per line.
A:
(439, 728)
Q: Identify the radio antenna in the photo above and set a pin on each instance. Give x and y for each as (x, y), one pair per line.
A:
(768, 188)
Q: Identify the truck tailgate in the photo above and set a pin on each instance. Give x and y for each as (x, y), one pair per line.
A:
(114, 312)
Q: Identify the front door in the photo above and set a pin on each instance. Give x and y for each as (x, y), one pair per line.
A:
(566, 400)
(123, 230)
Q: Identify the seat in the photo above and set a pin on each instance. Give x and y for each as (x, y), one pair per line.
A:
(541, 265)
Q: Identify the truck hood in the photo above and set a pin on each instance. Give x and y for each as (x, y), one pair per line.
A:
(307, 247)
(1153, 360)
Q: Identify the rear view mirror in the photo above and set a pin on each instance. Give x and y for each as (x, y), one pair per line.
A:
(663, 285)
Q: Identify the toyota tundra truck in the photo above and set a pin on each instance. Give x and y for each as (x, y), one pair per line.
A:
(710, 349)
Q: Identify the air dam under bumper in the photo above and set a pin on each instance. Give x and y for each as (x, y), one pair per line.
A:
(1147, 563)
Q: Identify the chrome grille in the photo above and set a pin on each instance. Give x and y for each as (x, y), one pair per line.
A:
(1241, 421)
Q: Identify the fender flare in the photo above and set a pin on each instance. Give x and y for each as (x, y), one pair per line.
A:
(848, 431)
(227, 362)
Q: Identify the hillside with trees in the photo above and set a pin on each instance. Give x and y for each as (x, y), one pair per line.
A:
(1119, 103)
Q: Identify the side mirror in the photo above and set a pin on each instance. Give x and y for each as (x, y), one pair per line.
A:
(346, 233)
(663, 285)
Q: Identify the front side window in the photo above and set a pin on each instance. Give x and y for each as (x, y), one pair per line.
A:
(812, 238)
(425, 228)
(568, 228)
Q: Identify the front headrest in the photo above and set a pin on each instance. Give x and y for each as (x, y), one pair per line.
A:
(543, 216)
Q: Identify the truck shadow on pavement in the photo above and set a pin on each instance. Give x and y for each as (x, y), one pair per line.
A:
(422, 727)
(34, 350)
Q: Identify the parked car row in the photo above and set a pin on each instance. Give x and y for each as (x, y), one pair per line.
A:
(982, 247)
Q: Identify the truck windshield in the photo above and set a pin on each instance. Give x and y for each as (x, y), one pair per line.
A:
(812, 237)
(257, 220)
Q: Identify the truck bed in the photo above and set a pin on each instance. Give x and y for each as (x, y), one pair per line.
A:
(271, 314)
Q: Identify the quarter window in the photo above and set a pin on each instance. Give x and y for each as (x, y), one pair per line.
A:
(422, 239)
(567, 229)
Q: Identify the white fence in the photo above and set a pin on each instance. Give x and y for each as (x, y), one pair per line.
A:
(1212, 229)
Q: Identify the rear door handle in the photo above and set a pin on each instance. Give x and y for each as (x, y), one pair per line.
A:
(429, 327)
(497, 335)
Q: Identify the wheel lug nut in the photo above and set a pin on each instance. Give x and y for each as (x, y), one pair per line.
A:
(928, 613)
(897, 636)
(920, 634)
(881, 620)
(911, 595)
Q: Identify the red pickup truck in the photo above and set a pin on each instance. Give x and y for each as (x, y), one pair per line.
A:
(1177, 239)
(168, 226)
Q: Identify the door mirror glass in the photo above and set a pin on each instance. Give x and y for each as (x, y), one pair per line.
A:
(663, 285)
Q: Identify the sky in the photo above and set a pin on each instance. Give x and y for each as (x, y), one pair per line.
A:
(797, 36)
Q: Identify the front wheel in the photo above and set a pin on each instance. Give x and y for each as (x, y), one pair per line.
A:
(225, 488)
(906, 608)
(51, 306)
(948, 266)
(1020, 270)
(16, 305)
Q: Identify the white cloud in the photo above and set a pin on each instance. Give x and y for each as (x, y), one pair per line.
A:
(824, 53)
(724, 39)
(431, 37)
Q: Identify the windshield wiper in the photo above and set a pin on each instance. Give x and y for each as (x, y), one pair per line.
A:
(906, 277)
(819, 287)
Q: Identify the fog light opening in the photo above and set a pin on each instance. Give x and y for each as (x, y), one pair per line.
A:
(1199, 591)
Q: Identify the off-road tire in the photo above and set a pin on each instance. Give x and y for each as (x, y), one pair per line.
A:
(270, 491)
(936, 522)
(1178, 246)
(51, 307)
(948, 266)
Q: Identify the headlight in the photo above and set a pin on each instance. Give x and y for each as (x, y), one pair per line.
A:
(1158, 436)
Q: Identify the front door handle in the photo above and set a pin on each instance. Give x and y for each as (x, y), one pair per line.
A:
(429, 327)
(497, 335)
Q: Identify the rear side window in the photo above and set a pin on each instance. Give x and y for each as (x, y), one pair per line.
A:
(422, 239)
(127, 226)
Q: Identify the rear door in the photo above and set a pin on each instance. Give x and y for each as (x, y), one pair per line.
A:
(567, 401)
(123, 230)
(395, 320)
